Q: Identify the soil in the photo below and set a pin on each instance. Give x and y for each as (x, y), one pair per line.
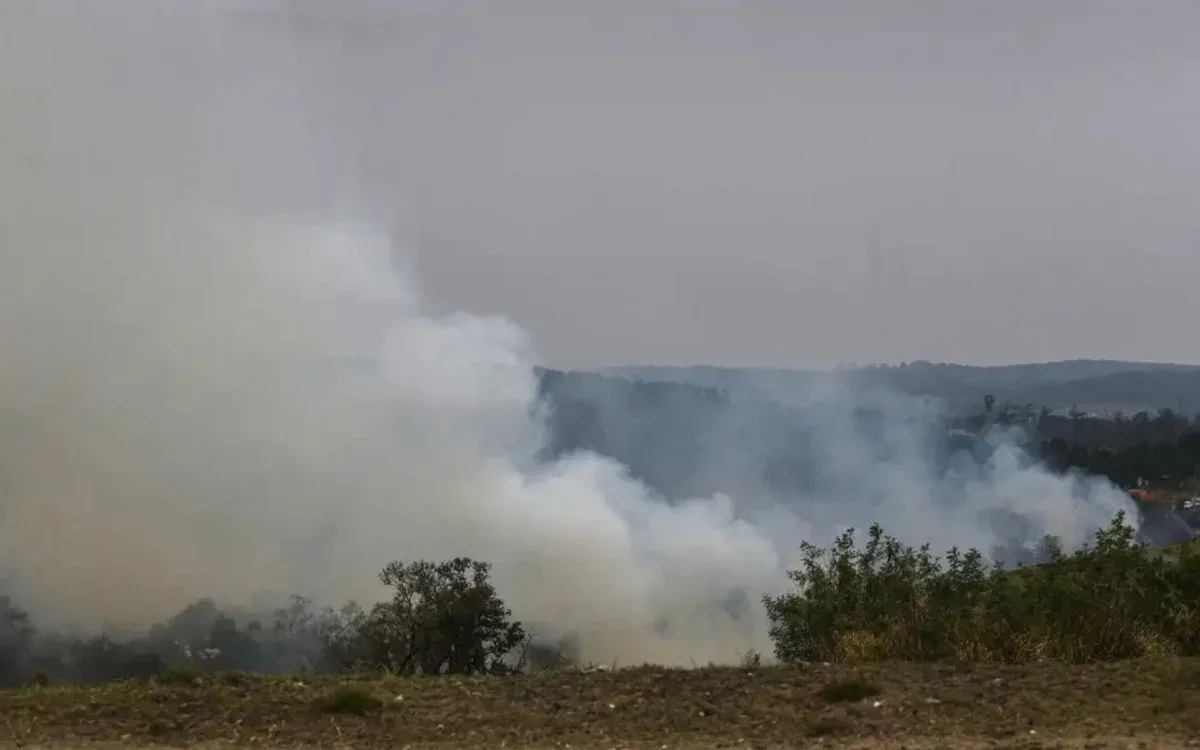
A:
(1144, 703)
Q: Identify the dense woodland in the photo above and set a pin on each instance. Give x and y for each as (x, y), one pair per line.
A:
(1162, 449)
(671, 435)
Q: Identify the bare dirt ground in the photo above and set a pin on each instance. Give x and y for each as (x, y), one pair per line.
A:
(1145, 703)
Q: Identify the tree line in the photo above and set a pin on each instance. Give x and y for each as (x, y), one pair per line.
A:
(442, 618)
(851, 602)
(1157, 448)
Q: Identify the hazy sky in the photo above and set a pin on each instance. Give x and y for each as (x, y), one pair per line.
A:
(642, 181)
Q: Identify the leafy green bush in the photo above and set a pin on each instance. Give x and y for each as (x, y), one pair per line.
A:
(1110, 600)
(348, 700)
(443, 618)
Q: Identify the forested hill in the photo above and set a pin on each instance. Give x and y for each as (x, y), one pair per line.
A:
(689, 438)
(1090, 385)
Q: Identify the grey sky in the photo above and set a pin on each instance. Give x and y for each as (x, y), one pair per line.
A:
(642, 181)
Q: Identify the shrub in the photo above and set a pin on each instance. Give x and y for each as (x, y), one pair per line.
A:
(883, 600)
(443, 618)
(348, 700)
(180, 676)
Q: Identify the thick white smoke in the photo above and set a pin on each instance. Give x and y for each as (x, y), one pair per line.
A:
(216, 379)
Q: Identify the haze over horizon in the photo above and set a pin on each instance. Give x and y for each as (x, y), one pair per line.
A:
(792, 185)
(898, 363)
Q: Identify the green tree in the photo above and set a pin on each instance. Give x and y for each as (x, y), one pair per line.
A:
(443, 618)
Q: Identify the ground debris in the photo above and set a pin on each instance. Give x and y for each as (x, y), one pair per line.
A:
(909, 705)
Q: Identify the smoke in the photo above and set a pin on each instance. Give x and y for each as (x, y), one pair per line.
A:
(217, 378)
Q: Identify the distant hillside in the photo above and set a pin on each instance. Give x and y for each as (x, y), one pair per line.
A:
(686, 440)
(1158, 389)
(1093, 384)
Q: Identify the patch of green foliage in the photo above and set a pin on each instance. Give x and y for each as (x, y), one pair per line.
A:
(882, 600)
(442, 618)
(852, 602)
(348, 700)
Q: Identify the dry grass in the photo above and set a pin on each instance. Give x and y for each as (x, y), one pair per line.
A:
(890, 705)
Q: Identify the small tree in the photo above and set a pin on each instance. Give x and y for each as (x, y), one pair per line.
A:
(339, 632)
(16, 635)
(443, 618)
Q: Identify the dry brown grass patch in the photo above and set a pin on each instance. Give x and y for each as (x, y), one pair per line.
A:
(644, 707)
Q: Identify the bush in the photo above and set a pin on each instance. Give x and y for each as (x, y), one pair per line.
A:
(349, 701)
(443, 618)
(1111, 600)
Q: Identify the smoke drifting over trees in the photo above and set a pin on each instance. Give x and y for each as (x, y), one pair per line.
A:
(219, 380)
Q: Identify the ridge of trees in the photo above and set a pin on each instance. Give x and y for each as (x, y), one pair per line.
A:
(1056, 384)
(660, 431)
(1159, 447)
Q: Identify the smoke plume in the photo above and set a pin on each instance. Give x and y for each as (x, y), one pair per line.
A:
(219, 378)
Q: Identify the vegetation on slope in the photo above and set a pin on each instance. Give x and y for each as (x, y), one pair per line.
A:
(1058, 385)
(852, 603)
(680, 439)
(879, 642)
(882, 601)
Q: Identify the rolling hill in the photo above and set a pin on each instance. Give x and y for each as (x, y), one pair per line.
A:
(1101, 385)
